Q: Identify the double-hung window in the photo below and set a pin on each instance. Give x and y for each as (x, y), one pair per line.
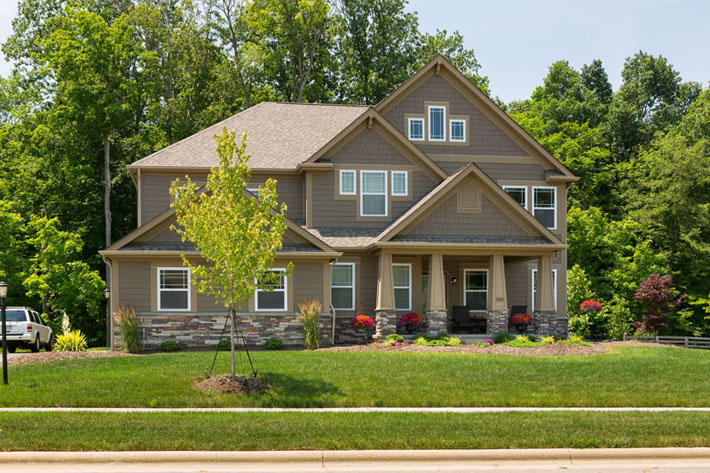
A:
(534, 286)
(544, 207)
(437, 123)
(402, 278)
(342, 286)
(174, 289)
(347, 182)
(457, 130)
(399, 183)
(416, 129)
(373, 193)
(476, 289)
(519, 194)
(272, 295)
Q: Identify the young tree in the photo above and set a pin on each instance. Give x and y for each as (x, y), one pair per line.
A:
(236, 233)
(660, 300)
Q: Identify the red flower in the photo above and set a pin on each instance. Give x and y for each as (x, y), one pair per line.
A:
(411, 319)
(590, 305)
(362, 322)
(520, 319)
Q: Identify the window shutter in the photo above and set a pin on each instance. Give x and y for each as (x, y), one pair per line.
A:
(469, 198)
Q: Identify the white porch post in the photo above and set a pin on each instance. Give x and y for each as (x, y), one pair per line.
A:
(499, 298)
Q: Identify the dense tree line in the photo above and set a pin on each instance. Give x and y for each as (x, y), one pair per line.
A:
(98, 84)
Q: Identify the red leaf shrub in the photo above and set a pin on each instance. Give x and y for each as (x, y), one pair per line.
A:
(659, 299)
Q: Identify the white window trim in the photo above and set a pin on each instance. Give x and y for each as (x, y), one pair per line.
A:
(532, 288)
(406, 183)
(554, 200)
(525, 193)
(352, 302)
(465, 291)
(409, 128)
(284, 290)
(362, 193)
(429, 108)
(189, 291)
(451, 126)
(340, 181)
(408, 287)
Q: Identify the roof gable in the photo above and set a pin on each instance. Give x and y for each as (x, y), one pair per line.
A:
(441, 69)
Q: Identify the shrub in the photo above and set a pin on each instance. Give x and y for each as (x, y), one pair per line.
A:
(522, 341)
(224, 345)
(362, 322)
(440, 340)
(170, 346)
(310, 315)
(455, 342)
(575, 340)
(421, 340)
(130, 330)
(502, 337)
(273, 344)
(394, 338)
(549, 340)
(71, 341)
(660, 300)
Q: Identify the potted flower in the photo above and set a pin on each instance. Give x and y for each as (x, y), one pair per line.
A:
(410, 321)
(362, 324)
(590, 305)
(521, 322)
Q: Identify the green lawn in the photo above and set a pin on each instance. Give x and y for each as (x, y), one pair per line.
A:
(629, 377)
(257, 431)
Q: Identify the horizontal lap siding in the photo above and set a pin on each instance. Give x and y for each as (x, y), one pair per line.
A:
(134, 284)
(485, 138)
(290, 191)
(307, 282)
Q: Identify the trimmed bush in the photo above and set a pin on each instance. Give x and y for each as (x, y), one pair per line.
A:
(170, 346)
(130, 330)
(310, 315)
(502, 337)
(273, 344)
(440, 340)
(523, 341)
(71, 341)
(393, 337)
(224, 345)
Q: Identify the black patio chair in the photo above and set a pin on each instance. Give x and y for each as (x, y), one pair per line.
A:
(462, 318)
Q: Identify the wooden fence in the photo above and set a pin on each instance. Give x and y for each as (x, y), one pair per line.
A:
(687, 342)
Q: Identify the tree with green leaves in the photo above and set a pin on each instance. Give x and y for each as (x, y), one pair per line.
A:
(236, 233)
(64, 283)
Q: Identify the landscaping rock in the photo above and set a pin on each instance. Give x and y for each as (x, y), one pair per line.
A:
(224, 384)
(18, 359)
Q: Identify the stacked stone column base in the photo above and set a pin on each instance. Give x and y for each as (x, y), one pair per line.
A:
(385, 324)
(436, 321)
(497, 321)
(549, 323)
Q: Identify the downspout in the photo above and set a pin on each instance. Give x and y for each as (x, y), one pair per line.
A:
(331, 309)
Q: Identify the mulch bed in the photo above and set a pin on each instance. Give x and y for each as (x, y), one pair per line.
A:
(44, 357)
(224, 384)
(556, 349)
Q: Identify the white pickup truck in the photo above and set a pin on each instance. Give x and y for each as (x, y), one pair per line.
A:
(25, 328)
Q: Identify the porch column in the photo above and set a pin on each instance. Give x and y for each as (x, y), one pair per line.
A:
(544, 297)
(497, 316)
(436, 299)
(385, 314)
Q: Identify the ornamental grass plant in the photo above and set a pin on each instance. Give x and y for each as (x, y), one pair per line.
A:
(129, 327)
(310, 310)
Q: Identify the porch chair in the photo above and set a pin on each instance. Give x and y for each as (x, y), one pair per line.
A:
(462, 320)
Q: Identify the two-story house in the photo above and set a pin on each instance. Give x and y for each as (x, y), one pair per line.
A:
(433, 198)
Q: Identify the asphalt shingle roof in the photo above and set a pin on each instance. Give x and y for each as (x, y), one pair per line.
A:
(279, 136)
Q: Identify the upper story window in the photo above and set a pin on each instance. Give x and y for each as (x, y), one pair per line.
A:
(416, 129)
(544, 206)
(457, 130)
(519, 194)
(399, 183)
(347, 182)
(174, 289)
(373, 193)
(342, 286)
(276, 297)
(437, 121)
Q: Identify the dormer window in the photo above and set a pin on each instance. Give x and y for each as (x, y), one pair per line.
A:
(437, 121)
(416, 129)
(457, 130)
(373, 193)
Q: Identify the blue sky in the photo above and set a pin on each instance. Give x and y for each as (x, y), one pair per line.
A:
(516, 40)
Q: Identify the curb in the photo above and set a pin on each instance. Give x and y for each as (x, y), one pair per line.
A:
(359, 456)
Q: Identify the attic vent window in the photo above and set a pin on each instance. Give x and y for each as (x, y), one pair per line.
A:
(469, 198)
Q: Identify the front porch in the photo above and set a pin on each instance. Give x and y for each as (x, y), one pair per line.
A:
(484, 285)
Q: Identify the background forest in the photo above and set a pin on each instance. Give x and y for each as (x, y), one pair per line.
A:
(98, 84)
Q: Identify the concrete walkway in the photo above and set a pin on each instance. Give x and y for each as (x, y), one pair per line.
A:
(453, 410)
(540, 460)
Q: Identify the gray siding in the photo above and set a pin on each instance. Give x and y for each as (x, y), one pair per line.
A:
(134, 284)
(290, 190)
(368, 147)
(484, 137)
(446, 220)
(307, 282)
(527, 172)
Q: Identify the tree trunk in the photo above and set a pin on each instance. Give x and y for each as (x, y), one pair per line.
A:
(232, 334)
(107, 201)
